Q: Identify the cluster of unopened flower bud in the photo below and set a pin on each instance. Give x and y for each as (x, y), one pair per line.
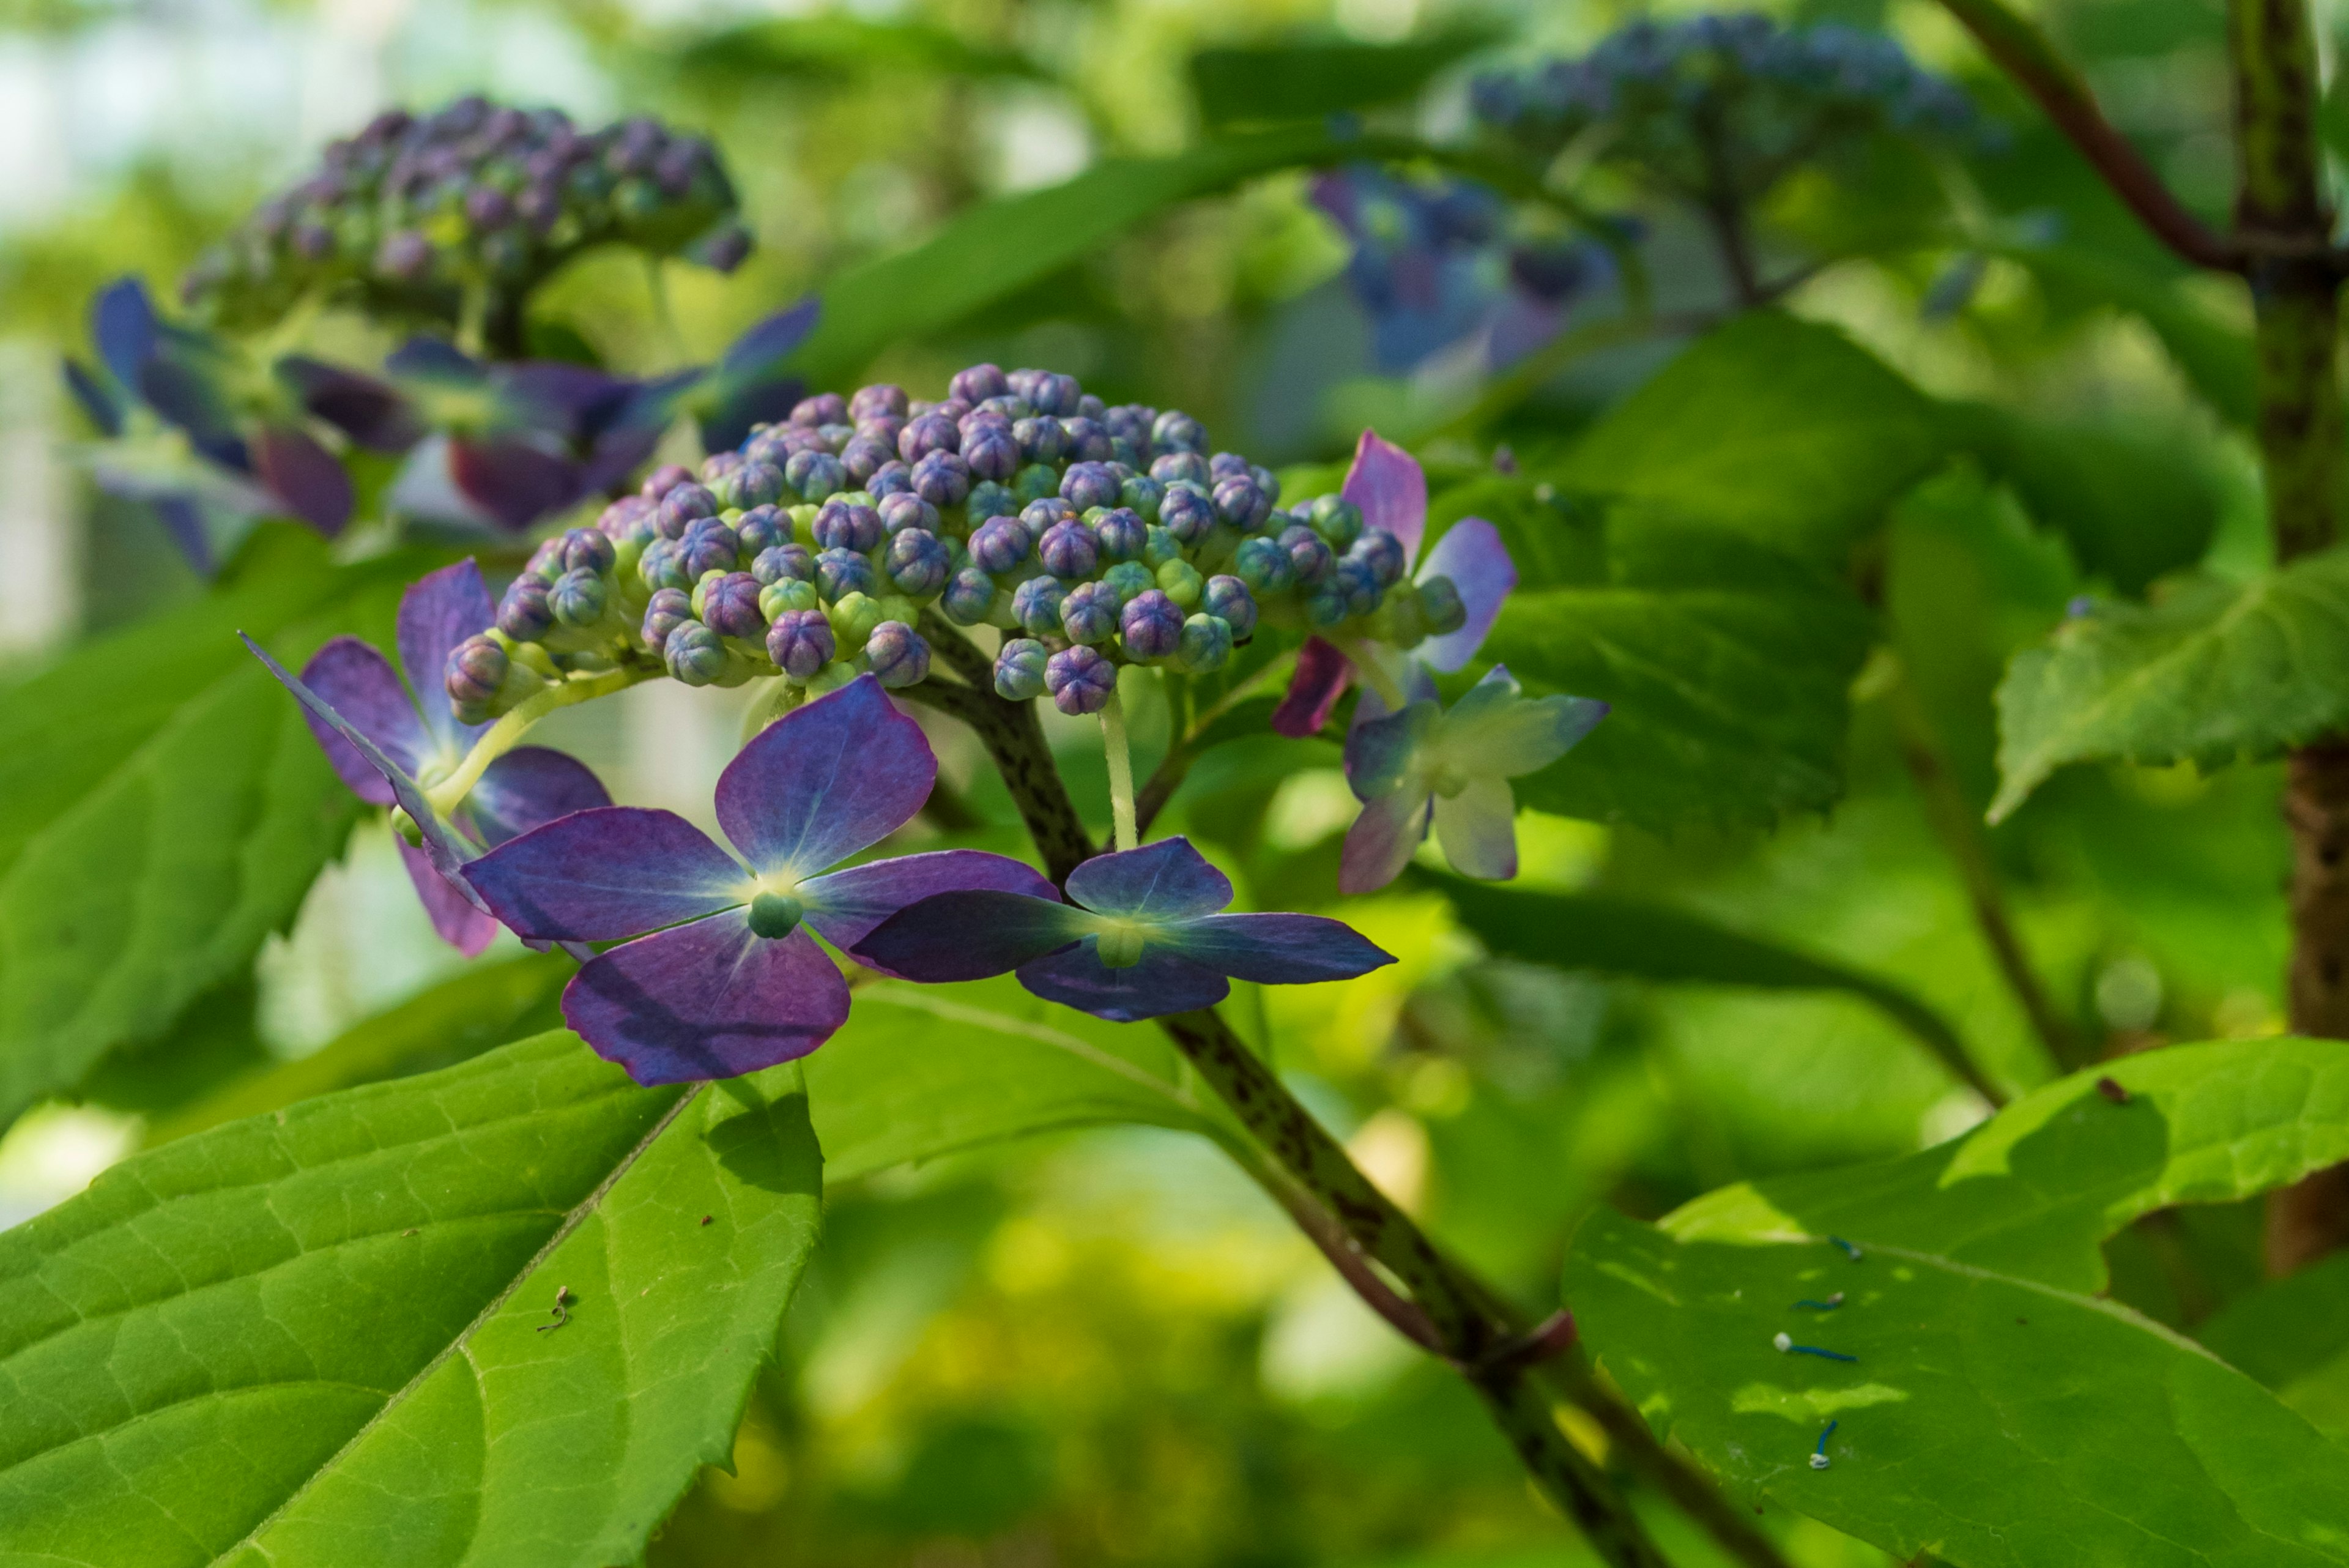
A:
(1091, 536)
(1685, 97)
(414, 210)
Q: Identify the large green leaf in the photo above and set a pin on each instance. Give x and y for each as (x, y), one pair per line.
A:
(831, 47)
(1307, 79)
(2216, 357)
(167, 808)
(1729, 666)
(1987, 1420)
(1609, 935)
(328, 1336)
(2214, 672)
(1782, 428)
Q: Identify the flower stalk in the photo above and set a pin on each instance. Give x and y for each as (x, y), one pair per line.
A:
(506, 733)
(1120, 773)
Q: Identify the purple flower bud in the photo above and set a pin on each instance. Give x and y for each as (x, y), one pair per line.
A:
(1067, 550)
(1019, 670)
(976, 384)
(1336, 519)
(917, 562)
(842, 572)
(815, 475)
(942, 478)
(588, 550)
(1176, 431)
(970, 594)
(1240, 504)
(404, 256)
(1041, 438)
(835, 438)
(1087, 485)
(847, 525)
(663, 566)
(758, 485)
(730, 605)
(1121, 536)
(694, 654)
(880, 401)
(883, 428)
(1266, 481)
(897, 654)
(866, 456)
(670, 609)
(1129, 421)
(665, 478)
(1187, 466)
(801, 643)
(1088, 440)
(475, 672)
(778, 563)
(1040, 515)
(993, 452)
(487, 207)
(998, 544)
(629, 517)
(716, 466)
(1381, 554)
(524, 613)
(1046, 392)
(1188, 514)
(1151, 625)
(1205, 645)
(1440, 608)
(1354, 578)
(578, 597)
(905, 511)
(823, 409)
(681, 505)
(1227, 598)
(1228, 466)
(1036, 605)
(762, 529)
(929, 433)
(1089, 613)
(891, 478)
(709, 545)
(1080, 680)
(1309, 560)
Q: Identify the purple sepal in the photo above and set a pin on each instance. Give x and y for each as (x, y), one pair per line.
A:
(1387, 483)
(1383, 840)
(970, 935)
(1162, 982)
(451, 910)
(1472, 555)
(122, 324)
(769, 339)
(1164, 881)
(1313, 691)
(310, 481)
(439, 611)
(529, 787)
(707, 1000)
(845, 905)
(606, 874)
(1277, 950)
(360, 687)
(828, 779)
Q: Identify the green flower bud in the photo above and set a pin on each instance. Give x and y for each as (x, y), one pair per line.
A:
(854, 618)
(787, 594)
(1180, 580)
(1128, 579)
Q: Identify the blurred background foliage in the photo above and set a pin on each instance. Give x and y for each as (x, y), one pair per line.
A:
(1107, 1346)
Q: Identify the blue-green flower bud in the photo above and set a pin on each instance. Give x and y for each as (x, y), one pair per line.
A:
(663, 566)
(854, 618)
(970, 594)
(1182, 467)
(1358, 580)
(1151, 626)
(1035, 605)
(840, 573)
(760, 529)
(1041, 441)
(1019, 670)
(1040, 513)
(897, 654)
(786, 595)
(709, 545)
(1142, 494)
(588, 550)
(1180, 581)
(1264, 566)
(781, 562)
(695, 654)
(1205, 645)
(802, 643)
(1089, 613)
(1309, 558)
(832, 677)
(756, 485)
(1035, 481)
(1241, 505)
(1089, 484)
(1128, 579)
(1326, 605)
(1188, 514)
(989, 499)
(578, 596)
(1121, 535)
(775, 915)
(1176, 431)
(917, 563)
(1227, 598)
(815, 475)
(1440, 607)
(668, 609)
(1382, 553)
(1159, 547)
(1336, 519)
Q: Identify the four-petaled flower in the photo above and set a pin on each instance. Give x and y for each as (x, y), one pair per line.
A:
(1425, 767)
(527, 786)
(1141, 936)
(721, 979)
(1386, 482)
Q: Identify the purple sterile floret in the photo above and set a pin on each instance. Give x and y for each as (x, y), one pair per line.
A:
(1141, 936)
(721, 978)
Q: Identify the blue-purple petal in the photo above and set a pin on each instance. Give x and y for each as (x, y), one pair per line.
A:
(122, 324)
(1383, 840)
(306, 479)
(1275, 950)
(767, 340)
(1313, 691)
(824, 781)
(1381, 751)
(529, 786)
(845, 905)
(970, 935)
(597, 876)
(1391, 488)
(1168, 881)
(454, 916)
(707, 1000)
(439, 610)
(361, 685)
(1478, 829)
(1472, 555)
(1162, 982)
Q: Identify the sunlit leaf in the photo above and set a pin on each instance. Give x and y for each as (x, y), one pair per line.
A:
(1307, 79)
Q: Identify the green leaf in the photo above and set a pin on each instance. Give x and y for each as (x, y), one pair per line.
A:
(995, 250)
(2215, 358)
(2214, 672)
(2289, 1330)
(923, 1071)
(2131, 507)
(1626, 936)
(2035, 1191)
(1782, 428)
(464, 1015)
(167, 809)
(1729, 666)
(838, 47)
(314, 1338)
(1308, 78)
(1988, 1420)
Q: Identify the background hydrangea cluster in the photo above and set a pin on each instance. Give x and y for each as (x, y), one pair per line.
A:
(1091, 536)
(414, 211)
(1731, 95)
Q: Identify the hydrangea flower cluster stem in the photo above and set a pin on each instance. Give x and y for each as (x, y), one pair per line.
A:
(1120, 773)
(508, 731)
